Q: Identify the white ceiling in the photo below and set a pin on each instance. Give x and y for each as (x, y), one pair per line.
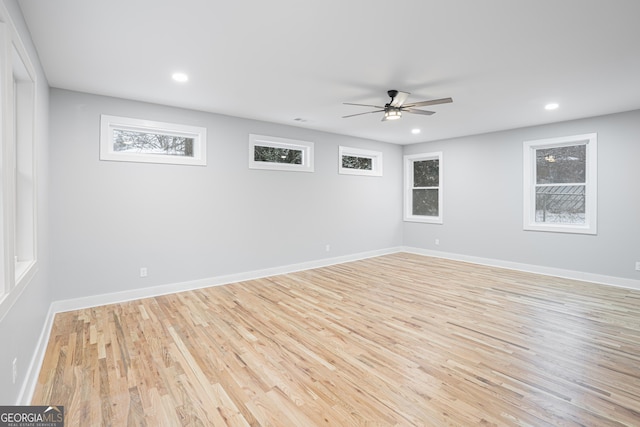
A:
(278, 60)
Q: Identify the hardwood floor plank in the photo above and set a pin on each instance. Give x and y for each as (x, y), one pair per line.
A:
(397, 340)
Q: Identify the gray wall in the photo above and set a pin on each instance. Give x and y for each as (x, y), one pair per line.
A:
(192, 222)
(483, 200)
(21, 327)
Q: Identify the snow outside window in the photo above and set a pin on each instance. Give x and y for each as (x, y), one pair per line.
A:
(273, 153)
(560, 184)
(133, 140)
(423, 187)
(356, 161)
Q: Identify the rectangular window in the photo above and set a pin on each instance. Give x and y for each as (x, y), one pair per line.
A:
(134, 140)
(356, 161)
(560, 184)
(270, 152)
(423, 187)
(18, 225)
(288, 156)
(23, 88)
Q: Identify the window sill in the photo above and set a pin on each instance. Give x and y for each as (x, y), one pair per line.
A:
(426, 220)
(561, 228)
(24, 271)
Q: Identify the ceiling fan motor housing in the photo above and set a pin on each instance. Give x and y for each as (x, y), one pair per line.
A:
(394, 108)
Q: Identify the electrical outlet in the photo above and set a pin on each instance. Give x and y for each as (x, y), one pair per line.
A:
(15, 369)
(637, 265)
(327, 248)
(437, 242)
(143, 272)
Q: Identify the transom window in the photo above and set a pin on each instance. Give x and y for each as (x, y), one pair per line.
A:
(560, 184)
(135, 140)
(423, 187)
(356, 161)
(270, 152)
(277, 155)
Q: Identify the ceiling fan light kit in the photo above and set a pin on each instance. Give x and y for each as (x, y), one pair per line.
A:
(392, 114)
(393, 109)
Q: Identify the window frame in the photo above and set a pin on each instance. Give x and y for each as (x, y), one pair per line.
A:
(409, 161)
(23, 85)
(276, 142)
(110, 123)
(530, 148)
(18, 177)
(375, 156)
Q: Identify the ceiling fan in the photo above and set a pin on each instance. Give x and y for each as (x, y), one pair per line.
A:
(393, 109)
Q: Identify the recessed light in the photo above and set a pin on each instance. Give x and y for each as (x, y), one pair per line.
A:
(415, 131)
(551, 106)
(180, 77)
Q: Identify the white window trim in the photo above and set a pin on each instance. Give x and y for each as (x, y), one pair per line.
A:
(109, 123)
(291, 144)
(408, 188)
(375, 156)
(25, 198)
(18, 252)
(591, 187)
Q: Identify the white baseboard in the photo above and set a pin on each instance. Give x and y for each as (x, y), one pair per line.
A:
(33, 371)
(601, 279)
(118, 297)
(29, 385)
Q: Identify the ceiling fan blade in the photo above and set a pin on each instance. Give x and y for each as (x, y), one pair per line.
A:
(432, 102)
(363, 105)
(399, 99)
(414, 111)
(359, 114)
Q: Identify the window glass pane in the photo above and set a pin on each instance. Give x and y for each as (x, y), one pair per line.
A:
(353, 162)
(425, 202)
(561, 164)
(151, 143)
(426, 173)
(277, 155)
(560, 204)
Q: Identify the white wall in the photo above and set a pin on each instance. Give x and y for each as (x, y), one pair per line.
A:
(21, 327)
(483, 200)
(187, 223)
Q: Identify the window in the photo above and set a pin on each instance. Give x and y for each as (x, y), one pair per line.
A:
(22, 140)
(18, 252)
(270, 152)
(134, 140)
(423, 188)
(560, 182)
(355, 161)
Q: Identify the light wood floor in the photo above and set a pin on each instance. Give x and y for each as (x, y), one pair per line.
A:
(394, 340)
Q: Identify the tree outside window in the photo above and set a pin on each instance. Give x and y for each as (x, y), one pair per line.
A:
(423, 187)
(560, 176)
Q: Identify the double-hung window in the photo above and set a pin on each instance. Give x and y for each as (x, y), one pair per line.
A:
(423, 187)
(560, 184)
